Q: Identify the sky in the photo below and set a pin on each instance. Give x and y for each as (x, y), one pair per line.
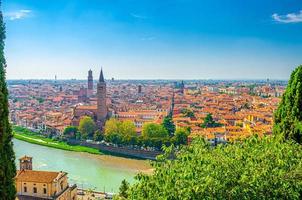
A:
(153, 39)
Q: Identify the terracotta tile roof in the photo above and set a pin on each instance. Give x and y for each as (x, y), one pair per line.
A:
(36, 176)
(25, 158)
(88, 107)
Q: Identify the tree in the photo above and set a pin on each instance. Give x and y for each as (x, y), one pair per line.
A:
(98, 136)
(78, 136)
(114, 138)
(70, 131)
(112, 126)
(169, 125)
(119, 132)
(252, 169)
(7, 155)
(288, 117)
(188, 113)
(209, 122)
(123, 189)
(87, 127)
(152, 130)
(181, 136)
(127, 128)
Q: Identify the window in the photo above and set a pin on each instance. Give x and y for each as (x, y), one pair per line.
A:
(44, 190)
(25, 189)
(35, 190)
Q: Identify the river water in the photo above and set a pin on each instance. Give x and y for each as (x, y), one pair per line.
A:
(97, 172)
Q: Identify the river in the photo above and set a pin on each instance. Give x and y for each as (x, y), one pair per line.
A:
(97, 172)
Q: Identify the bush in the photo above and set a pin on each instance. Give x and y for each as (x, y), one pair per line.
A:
(253, 169)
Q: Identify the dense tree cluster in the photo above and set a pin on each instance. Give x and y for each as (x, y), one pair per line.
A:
(288, 117)
(124, 133)
(153, 135)
(254, 169)
(87, 129)
(120, 132)
(7, 156)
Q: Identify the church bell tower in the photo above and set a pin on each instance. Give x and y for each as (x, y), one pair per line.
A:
(26, 163)
(101, 99)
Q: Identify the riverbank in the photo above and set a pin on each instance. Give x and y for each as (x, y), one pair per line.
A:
(31, 137)
(88, 171)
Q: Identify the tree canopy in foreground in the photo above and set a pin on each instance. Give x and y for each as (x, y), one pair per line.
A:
(288, 117)
(253, 169)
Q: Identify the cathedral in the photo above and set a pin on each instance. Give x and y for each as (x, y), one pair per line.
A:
(99, 111)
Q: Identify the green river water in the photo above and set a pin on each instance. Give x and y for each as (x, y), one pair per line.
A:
(97, 172)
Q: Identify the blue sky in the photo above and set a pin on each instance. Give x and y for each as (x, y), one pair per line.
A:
(153, 39)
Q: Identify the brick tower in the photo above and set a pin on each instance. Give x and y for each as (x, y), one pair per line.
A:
(101, 100)
(90, 83)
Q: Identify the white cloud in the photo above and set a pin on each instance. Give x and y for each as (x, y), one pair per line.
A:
(138, 16)
(288, 18)
(17, 15)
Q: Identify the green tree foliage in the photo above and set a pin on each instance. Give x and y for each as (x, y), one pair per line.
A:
(209, 122)
(112, 126)
(155, 135)
(169, 125)
(181, 136)
(123, 189)
(127, 128)
(152, 130)
(253, 169)
(7, 156)
(119, 132)
(70, 131)
(87, 127)
(78, 136)
(98, 136)
(188, 113)
(288, 117)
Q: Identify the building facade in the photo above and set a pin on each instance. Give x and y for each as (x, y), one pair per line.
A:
(39, 185)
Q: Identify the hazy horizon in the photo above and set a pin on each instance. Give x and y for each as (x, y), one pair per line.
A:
(95, 79)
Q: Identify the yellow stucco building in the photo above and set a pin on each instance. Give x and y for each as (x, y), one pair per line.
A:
(36, 185)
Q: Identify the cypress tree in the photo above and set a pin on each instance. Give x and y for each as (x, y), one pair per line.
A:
(7, 156)
(169, 125)
(288, 117)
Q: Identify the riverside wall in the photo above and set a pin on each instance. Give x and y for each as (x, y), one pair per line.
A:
(119, 150)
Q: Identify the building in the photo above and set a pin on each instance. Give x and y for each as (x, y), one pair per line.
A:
(26, 163)
(40, 185)
(101, 99)
(98, 112)
(90, 83)
(139, 89)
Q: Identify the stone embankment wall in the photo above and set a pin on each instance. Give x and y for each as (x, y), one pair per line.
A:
(121, 151)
